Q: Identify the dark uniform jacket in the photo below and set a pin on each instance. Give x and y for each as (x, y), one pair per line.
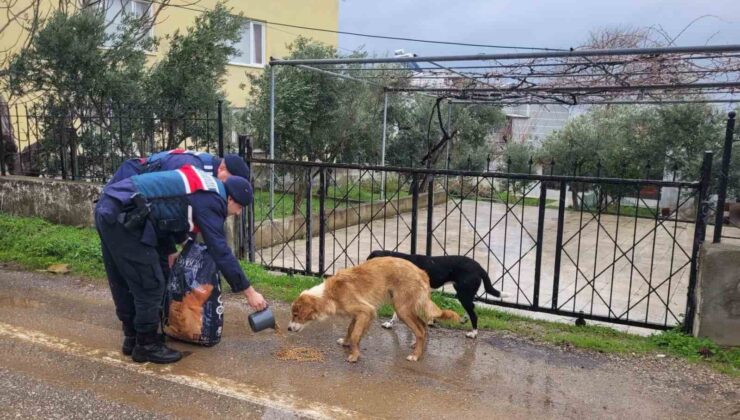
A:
(166, 161)
(208, 214)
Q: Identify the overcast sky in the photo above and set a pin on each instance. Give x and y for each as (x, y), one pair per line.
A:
(553, 24)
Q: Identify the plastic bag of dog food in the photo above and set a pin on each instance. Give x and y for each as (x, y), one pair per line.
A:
(193, 310)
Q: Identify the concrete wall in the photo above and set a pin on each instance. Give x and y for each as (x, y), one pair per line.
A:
(280, 231)
(71, 203)
(718, 294)
(62, 202)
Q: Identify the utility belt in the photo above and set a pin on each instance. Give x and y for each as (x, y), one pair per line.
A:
(135, 216)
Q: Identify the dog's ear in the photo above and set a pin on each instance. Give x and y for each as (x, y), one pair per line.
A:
(305, 308)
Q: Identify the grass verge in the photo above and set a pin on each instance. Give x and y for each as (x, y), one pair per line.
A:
(284, 203)
(35, 244)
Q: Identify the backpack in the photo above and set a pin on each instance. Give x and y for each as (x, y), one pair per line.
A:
(193, 309)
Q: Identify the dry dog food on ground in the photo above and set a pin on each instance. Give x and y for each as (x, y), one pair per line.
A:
(300, 354)
(278, 330)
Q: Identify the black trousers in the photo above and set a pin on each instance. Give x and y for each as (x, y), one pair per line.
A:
(135, 276)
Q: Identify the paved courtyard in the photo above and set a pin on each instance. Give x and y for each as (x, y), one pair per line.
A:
(633, 266)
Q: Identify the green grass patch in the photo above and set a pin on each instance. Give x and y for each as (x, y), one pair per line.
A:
(337, 197)
(352, 193)
(284, 203)
(276, 287)
(624, 211)
(631, 211)
(503, 196)
(726, 360)
(35, 244)
(366, 190)
(513, 199)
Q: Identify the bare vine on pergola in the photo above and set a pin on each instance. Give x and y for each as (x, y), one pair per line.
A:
(575, 77)
(585, 75)
(595, 75)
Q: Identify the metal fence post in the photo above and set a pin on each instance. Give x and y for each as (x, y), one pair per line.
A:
(449, 129)
(414, 209)
(220, 128)
(309, 231)
(700, 230)
(243, 233)
(62, 137)
(724, 172)
(558, 246)
(430, 213)
(72, 142)
(322, 219)
(250, 214)
(2, 154)
(382, 147)
(250, 232)
(272, 140)
(241, 140)
(5, 109)
(538, 255)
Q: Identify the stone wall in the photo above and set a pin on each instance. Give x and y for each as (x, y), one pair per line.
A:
(718, 294)
(71, 203)
(62, 202)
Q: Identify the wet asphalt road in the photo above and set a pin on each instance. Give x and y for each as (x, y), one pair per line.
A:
(59, 339)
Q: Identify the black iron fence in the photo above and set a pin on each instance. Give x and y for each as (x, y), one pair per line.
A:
(92, 144)
(593, 247)
(609, 249)
(727, 208)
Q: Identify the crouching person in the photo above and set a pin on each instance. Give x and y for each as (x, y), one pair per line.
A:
(170, 160)
(135, 216)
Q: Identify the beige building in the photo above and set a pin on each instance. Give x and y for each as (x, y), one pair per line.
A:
(265, 35)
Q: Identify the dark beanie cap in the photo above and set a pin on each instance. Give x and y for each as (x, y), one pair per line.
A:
(239, 189)
(236, 166)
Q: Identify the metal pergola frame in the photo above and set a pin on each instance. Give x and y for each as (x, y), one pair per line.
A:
(651, 76)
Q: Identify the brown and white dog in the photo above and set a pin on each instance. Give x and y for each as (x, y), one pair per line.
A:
(357, 292)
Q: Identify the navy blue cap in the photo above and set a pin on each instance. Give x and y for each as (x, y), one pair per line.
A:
(236, 166)
(239, 189)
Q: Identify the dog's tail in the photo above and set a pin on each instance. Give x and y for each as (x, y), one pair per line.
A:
(487, 284)
(432, 311)
(377, 253)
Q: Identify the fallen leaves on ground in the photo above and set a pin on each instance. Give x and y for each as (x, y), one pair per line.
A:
(58, 268)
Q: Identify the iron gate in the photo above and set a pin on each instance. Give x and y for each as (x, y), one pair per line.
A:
(599, 248)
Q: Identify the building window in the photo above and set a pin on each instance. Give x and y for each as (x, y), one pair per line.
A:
(141, 9)
(251, 46)
(115, 10)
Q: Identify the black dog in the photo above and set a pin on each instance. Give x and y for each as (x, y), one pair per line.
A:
(464, 273)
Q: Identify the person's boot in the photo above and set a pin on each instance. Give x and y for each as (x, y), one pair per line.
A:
(150, 348)
(129, 340)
